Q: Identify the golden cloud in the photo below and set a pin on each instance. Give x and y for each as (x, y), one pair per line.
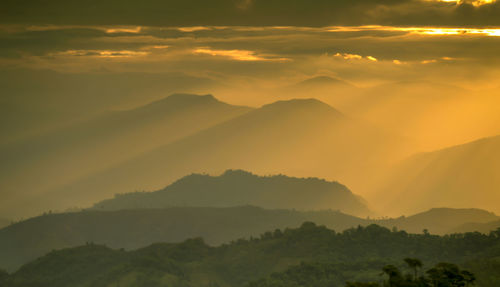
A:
(238, 55)
(493, 32)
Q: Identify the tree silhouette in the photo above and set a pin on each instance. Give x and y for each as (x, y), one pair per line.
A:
(442, 275)
(450, 275)
(469, 278)
(414, 264)
(393, 273)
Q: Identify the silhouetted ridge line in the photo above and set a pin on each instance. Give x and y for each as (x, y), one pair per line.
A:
(238, 187)
(303, 104)
(322, 81)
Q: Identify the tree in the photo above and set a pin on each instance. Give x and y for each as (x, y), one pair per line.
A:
(361, 284)
(414, 264)
(450, 275)
(3, 277)
(441, 275)
(394, 275)
(469, 278)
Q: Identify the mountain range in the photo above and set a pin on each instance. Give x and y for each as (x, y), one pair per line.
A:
(461, 176)
(54, 159)
(298, 137)
(58, 100)
(136, 228)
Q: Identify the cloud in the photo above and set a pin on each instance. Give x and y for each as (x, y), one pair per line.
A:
(102, 53)
(238, 55)
(193, 29)
(347, 56)
(475, 3)
(133, 30)
(244, 4)
(428, 61)
(431, 31)
(192, 13)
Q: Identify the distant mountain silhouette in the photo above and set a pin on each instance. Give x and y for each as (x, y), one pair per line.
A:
(237, 187)
(322, 81)
(135, 228)
(435, 114)
(331, 90)
(77, 151)
(441, 220)
(460, 176)
(297, 137)
(479, 227)
(57, 99)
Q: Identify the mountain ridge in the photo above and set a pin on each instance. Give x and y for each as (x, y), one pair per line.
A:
(458, 176)
(239, 187)
(61, 157)
(136, 228)
(298, 138)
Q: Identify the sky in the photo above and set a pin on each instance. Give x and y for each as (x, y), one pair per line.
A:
(423, 69)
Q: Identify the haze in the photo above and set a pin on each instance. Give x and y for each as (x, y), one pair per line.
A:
(388, 93)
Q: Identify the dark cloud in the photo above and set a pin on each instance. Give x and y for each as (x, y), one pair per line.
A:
(255, 13)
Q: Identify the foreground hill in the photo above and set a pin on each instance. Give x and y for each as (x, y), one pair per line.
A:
(237, 187)
(355, 254)
(460, 176)
(297, 138)
(58, 158)
(131, 229)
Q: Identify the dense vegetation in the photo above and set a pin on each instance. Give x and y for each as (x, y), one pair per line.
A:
(357, 254)
(323, 274)
(137, 228)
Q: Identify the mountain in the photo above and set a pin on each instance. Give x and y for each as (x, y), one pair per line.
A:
(334, 91)
(458, 177)
(237, 187)
(297, 137)
(4, 222)
(60, 157)
(442, 220)
(357, 253)
(132, 229)
(53, 100)
(435, 115)
(136, 228)
(322, 81)
(479, 227)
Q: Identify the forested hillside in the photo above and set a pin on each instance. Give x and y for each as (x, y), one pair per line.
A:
(136, 228)
(355, 254)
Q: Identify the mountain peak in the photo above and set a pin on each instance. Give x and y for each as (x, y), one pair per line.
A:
(185, 99)
(176, 101)
(238, 188)
(323, 80)
(310, 105)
